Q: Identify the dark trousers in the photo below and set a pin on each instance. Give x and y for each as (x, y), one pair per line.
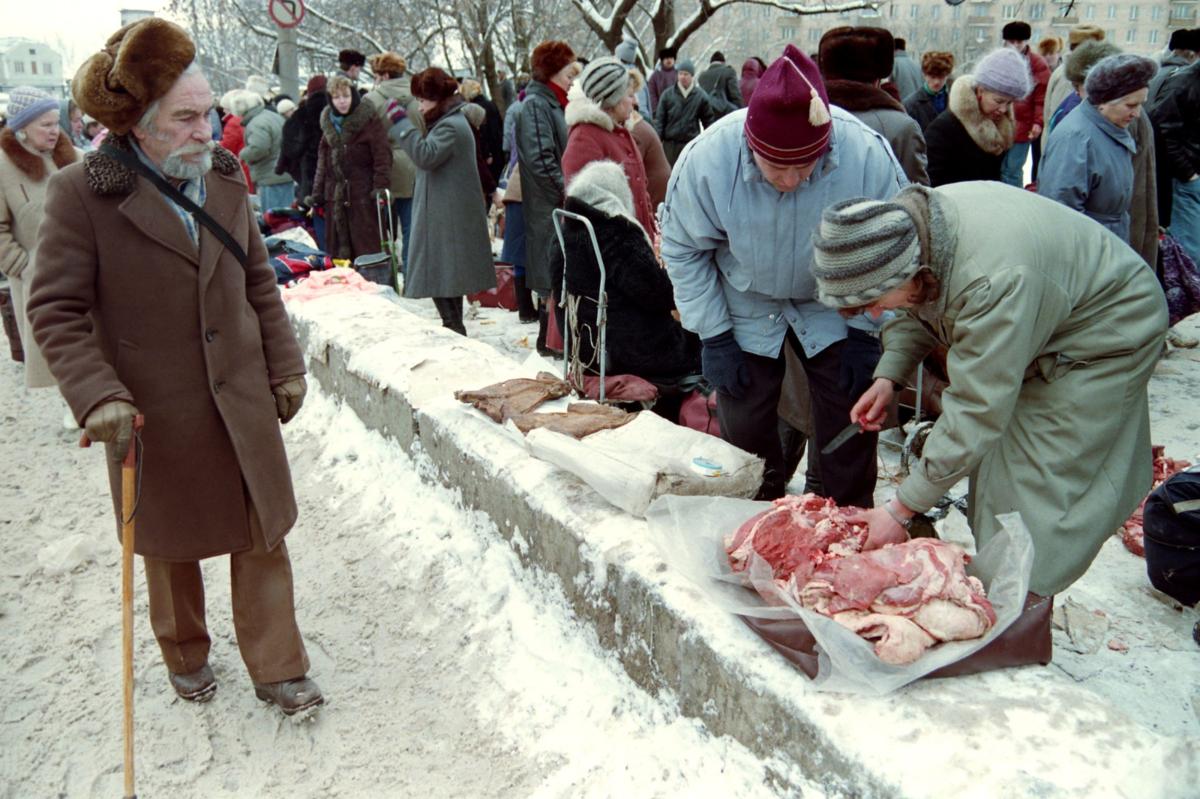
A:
(752, 423)
(451, 311)
(672, 149)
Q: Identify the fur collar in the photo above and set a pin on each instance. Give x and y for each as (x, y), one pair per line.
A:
(582, 111)
(356, 120)
(444, 109)
(30, 162)
(992, 137)
(854, 96)
(105, 176)
(603, 185)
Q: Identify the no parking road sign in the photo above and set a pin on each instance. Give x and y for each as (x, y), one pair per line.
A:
(286, 13)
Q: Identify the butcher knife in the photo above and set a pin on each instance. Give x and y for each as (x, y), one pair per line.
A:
(842, 438)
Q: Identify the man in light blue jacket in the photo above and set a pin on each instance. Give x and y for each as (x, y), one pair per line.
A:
(742, 205)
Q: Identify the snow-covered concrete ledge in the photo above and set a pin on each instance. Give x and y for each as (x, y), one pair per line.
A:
(1020, 732)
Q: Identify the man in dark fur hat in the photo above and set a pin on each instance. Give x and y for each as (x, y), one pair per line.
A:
(350, 64)
(141, 309)
(854, 62)
(662, 78)
(1030, 111)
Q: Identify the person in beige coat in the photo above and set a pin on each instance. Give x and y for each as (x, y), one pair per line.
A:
(32, 148)
(140, 309)
(392, 82)
(1054, 326)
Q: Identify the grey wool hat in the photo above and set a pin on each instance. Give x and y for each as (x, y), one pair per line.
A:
(1006, 72)
(1116, 76)
(605, 81)
(863, 249)
(686, 65)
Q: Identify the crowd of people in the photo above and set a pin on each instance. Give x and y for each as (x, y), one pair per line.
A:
(807, 232)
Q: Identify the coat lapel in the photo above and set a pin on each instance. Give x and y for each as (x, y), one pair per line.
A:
(221, 193)
(152, 214)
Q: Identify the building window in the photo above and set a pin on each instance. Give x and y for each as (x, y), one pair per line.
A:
(789, 33)
(914, 11)
(47, 69)
(1110, 33)
(933, 12)
(1130, 36)
(1089, 12)
(767, 12)
(954, 34)
(981, 35)
(1156, 13)
(19, 67)
(933, 33)
(1008, 12)
(1153, 37)
(1133, 12)
(33, 67)
(1037, 11)
(893, 12)
(32, 51)
(1112, 12)
(814, 34)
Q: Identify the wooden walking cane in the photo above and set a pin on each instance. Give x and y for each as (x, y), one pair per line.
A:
(129, 490)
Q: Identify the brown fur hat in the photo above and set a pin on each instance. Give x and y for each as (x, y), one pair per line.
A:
(862, 54)
(391, 63)
(937, 63)
(433, 84)
(1083, 32)
(138, 65)
(548, 58)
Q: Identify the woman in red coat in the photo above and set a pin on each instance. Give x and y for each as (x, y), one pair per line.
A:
(598, 132)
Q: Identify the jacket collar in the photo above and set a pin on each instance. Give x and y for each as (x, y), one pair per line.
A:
(355, 120)
(31, 163)
(1117, 133)
(580, 110)
(445, 108)
(854, 96)
(106, 176)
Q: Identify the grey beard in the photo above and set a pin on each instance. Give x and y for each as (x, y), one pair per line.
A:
(175, 167)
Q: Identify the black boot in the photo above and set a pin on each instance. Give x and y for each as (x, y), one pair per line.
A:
(526, 312)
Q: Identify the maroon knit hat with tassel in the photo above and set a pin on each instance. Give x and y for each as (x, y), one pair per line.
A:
(788, 121)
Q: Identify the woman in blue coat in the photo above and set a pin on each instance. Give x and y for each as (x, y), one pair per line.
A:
(1088, 163)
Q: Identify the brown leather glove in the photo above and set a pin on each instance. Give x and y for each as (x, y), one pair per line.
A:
(112, 422)
(289, 396)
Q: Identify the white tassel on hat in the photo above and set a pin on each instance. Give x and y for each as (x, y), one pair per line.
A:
(818, 115)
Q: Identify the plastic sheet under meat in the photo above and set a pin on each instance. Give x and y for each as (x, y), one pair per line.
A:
(689, 533)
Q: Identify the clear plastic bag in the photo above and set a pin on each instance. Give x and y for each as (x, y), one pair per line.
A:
(689, 533)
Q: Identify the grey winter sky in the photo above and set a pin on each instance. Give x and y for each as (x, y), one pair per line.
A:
(75, 27)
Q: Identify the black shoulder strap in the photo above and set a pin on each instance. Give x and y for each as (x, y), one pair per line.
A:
(181, 199)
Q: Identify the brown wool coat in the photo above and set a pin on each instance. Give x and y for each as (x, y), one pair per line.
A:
(350, 165)
(123, 306)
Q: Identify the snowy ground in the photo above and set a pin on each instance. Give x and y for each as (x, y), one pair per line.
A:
(449, 670)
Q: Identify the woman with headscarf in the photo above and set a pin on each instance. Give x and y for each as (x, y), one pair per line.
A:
(1054, 327)
(354, 164)
(1088, 164)
(968, 140)
(32, 148)
(451, 253)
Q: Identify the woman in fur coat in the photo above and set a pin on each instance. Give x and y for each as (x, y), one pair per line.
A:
(32, 148)
(968, 140)
(451, 253)
(354, 162)
(643, 338)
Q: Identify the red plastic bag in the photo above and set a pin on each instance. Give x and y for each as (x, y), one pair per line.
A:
(700, 413)
(503, 296)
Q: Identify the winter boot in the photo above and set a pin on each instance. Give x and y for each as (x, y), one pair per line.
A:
(526, 312)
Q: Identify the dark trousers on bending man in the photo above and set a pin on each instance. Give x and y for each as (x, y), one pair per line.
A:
(848, 474)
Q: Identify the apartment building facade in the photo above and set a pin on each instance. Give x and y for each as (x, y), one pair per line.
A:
(24, 62)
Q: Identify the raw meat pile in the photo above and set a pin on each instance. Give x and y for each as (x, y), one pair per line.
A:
(1131, 531)
(906, 597)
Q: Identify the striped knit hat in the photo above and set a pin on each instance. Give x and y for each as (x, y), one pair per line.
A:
(25, 104)
(864, 249)
(605, 81)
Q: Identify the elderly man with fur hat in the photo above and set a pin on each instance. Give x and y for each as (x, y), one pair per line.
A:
(140, 307)
(661, 79)
(854, 62)
(1053, 328)
(737, 224)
